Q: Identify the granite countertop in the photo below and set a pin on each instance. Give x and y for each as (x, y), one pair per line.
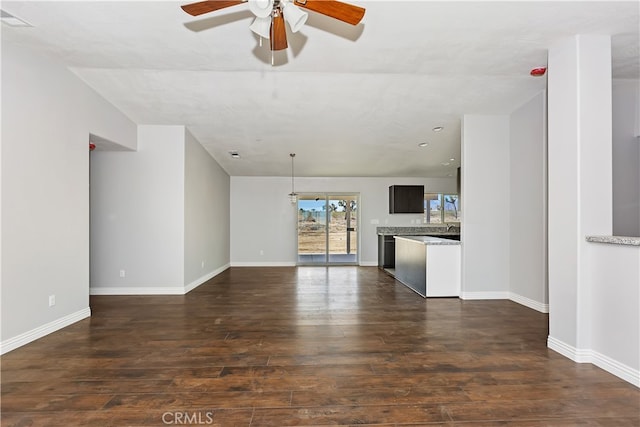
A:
(615, 240)
(429, 240)
(440, 230)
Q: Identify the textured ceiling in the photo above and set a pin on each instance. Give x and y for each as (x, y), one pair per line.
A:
(349, 101)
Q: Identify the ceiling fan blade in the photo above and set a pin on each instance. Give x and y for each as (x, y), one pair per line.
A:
(278, 33)
(343, 11)
(195, 9)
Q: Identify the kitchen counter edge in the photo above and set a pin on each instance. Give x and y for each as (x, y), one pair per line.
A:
(615, 240)
(429, 240)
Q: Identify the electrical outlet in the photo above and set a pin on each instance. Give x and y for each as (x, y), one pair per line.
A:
(52, 300)
(202, 264)
(122, 273)
(261, 252)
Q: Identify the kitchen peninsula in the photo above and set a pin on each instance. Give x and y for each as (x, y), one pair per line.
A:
(429, 261)
(429, 265)
(387, 243)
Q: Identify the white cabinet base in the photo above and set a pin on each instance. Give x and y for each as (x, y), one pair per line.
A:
(430, 266)
(443, 271)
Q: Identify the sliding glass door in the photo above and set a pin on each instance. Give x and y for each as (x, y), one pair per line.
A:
(327, 229)
(312, 229)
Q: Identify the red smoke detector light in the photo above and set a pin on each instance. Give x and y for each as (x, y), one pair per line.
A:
(537, 72)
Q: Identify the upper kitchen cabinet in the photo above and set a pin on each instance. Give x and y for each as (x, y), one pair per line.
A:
(406, 199)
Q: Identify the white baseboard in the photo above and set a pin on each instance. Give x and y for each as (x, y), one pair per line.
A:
(576, 354)
(262, 264)
(606, 363)
(616, 368)
(39, 332)
(484, 295)
(288, 264)
(528, 302)
(368, 263)
(137, 290)
(156, 290)
(199, 281)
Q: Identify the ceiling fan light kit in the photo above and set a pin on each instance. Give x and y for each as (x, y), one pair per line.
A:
(294, 16)
(261, 8)
(262, 27)
(271, 15)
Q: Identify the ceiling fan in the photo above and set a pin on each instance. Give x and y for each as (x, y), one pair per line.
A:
(271, 15)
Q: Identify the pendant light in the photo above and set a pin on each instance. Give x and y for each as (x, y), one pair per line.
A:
(293, 196)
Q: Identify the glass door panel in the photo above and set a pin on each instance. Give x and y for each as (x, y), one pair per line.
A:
(343, 235)
(312, 229)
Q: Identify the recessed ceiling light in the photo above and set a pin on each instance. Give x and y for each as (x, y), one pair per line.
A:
(437, 129)
(423, 144)
(452, 159)
(234, 154)
(445, 163)
(12, 21)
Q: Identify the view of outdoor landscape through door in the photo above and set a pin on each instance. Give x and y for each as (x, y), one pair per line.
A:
(327, 228)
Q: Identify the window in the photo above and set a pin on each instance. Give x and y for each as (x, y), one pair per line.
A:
(440, 208)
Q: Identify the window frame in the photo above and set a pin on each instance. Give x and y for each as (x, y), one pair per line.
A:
(442, 210)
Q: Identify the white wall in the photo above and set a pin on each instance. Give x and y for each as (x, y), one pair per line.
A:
(594, 297)
(636, 128)
(528, 204)
(137, 214)
(263, 219)
(47, 115)
(563, 195)
(206, 214)
(486, 206)
(613, 281)
(504, 243)
(626, 159)
(160, 214)
(580, 185)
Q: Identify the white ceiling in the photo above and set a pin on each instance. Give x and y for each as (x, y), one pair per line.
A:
(349, 101)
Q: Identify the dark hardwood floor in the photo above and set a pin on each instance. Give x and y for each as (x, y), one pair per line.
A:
(306, 346)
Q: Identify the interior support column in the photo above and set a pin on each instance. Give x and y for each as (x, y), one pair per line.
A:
(580, 180)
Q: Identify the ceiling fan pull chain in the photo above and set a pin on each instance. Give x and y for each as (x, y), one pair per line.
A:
(271, 34)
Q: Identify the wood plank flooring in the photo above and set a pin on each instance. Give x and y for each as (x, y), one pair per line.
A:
(306, 346)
